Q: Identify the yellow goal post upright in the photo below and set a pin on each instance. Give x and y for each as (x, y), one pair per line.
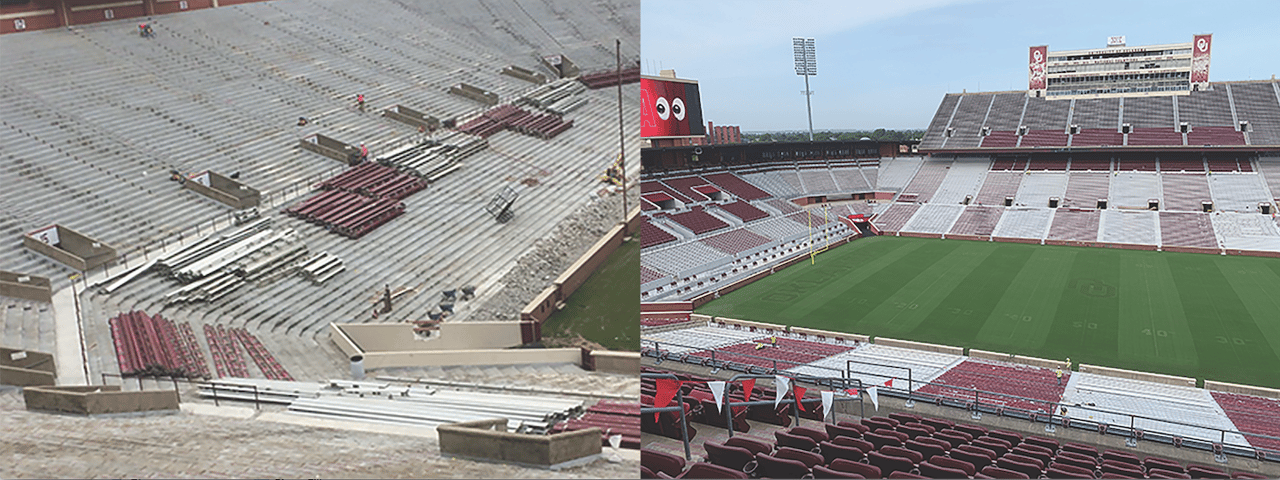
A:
(826, 214)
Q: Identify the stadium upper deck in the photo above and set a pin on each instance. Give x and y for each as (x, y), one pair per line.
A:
(1226, 116)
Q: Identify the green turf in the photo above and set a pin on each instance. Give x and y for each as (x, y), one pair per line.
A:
(604, 308)
(1195, 315)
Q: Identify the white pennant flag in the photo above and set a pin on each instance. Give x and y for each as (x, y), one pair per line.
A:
(871, 392)
(782, 384)
(717, 389)
(827, 399)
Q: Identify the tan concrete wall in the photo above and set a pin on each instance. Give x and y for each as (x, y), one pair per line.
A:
(1046, 363)
(1130, 374)
(34, 360)
(627, 363)
(399, 337)
(23, 377)
(34, 288)
(542, 306)
(519, 356)
(479, 440)
(998, 356)
(1005, 357)
(848, 337)
(698, 317)
(586, 264)
(1242, 389)
(748, 323)
(101, 400)
(928, 347)
(343, 341)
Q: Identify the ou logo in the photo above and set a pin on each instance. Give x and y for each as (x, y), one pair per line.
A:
(1202, 44)
(1040, 56)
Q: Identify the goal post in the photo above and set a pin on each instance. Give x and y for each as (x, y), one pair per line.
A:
(826, 239)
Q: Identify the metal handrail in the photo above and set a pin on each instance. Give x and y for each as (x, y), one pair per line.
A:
(684, 422)
(1260, 452)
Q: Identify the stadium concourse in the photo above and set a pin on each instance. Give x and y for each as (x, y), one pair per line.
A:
(1196, 173)
(102, 125)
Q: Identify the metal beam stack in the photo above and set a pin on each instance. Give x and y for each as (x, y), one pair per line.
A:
(399, 404)
(349, 214)
(321, 267)
(147, 345)
(609, 78)
(376, 181)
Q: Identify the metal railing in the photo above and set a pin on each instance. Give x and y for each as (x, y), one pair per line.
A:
(994, 403)
(684, 421)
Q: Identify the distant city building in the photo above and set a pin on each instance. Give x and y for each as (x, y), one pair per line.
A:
(721, 135)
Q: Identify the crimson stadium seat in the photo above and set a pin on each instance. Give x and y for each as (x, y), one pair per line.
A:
(752, 445)
(931, 470)
(834, 431)
(795, 441)
(865, 469)
(914, 456)
(925, 449)
(831, 451)
(966, 467)
(997, 472)
(808, 458)
(707, 470)
(729, 457)
(662, 462)
(858, 443)
(889, 463)
(824, 472)
(773, 467)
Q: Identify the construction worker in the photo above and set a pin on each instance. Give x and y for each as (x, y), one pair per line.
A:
(360, 101)
(1058, 373)
(364, 152)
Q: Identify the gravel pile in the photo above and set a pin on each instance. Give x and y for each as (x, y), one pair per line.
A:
(536, 270)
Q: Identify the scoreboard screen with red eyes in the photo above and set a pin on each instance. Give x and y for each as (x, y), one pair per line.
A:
(670, 107)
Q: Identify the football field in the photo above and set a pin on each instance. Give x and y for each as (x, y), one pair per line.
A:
(1194, 315)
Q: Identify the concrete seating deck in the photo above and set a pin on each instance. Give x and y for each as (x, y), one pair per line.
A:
(1185, 192)
(1075, 225)
(1027, 222)
(1084, 189)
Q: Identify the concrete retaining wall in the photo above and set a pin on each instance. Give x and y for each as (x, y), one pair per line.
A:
(399, 337)
(928, 347)
(580, 270)
(24, 377)
(626, 363)
(27, 359)
(519, 356)
(479, 440)
(1130, 374)
(98, 400)
(997, 356)
(27, 287)
(1005, 357)
(748, 324)
(848, 337)
(1241, 389)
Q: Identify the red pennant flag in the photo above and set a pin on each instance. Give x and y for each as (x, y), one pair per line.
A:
(667, 389)
(853, 392)
(799, 391)
(748, 385)
(889, 383)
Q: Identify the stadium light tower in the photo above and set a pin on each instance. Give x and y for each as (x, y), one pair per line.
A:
(806, 64)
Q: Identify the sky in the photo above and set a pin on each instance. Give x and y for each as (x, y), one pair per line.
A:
(887, 64)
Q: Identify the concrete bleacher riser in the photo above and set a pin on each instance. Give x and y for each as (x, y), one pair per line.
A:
(207, 111)
(1038, 187)
(964, 179)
